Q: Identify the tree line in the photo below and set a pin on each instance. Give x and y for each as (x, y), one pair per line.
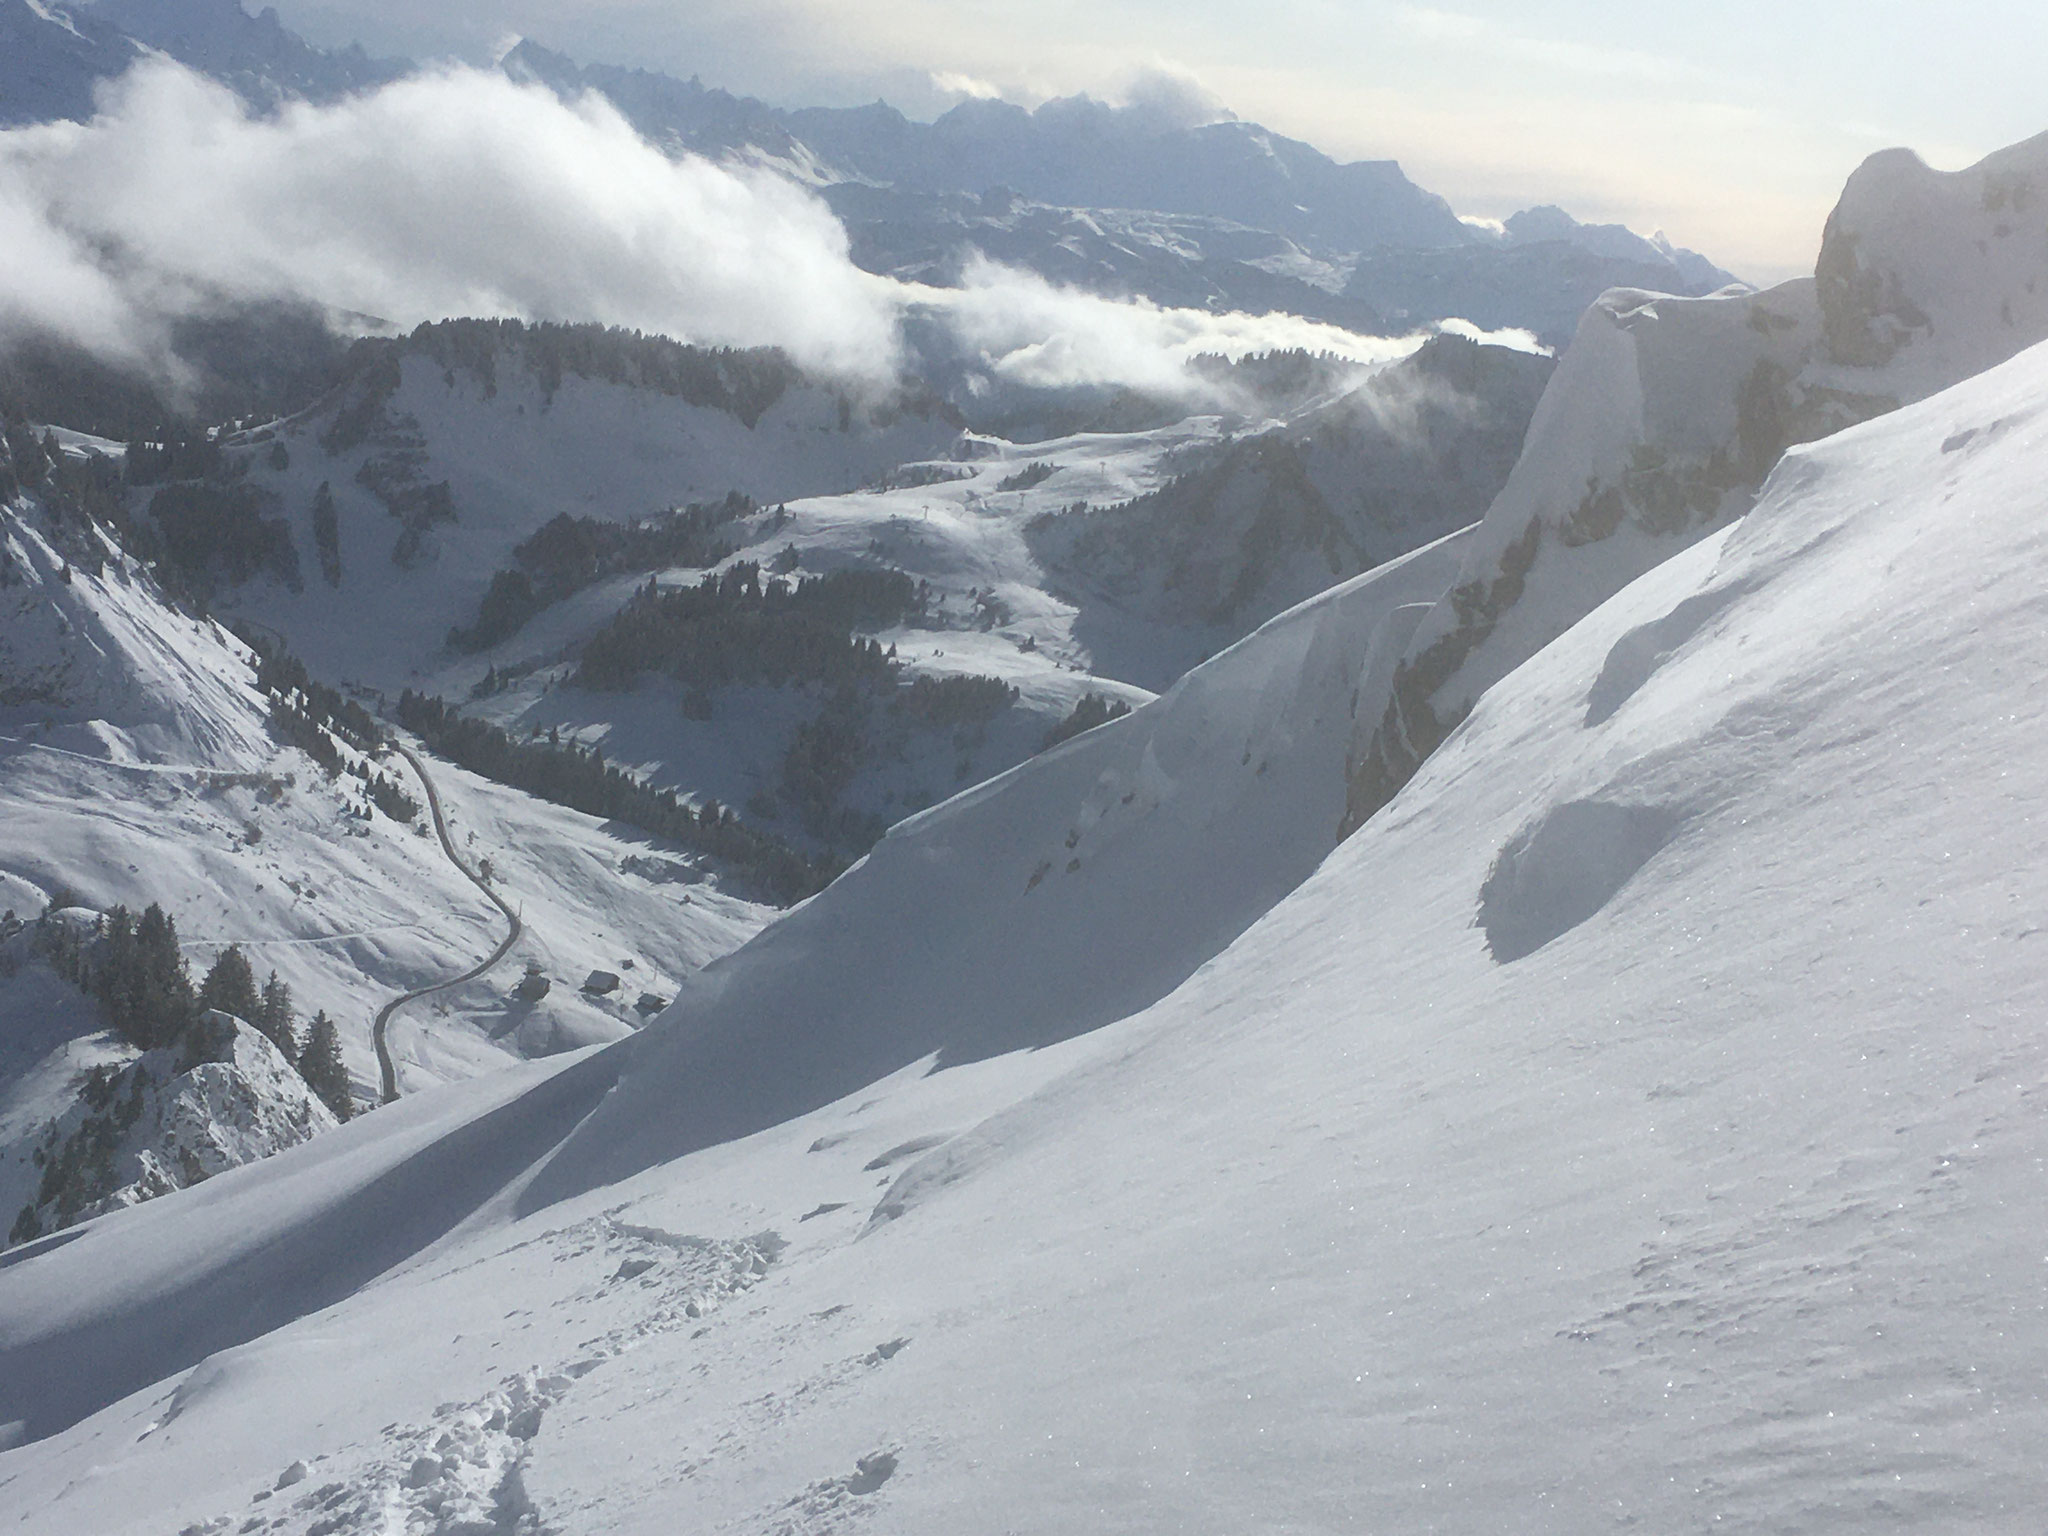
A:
(134, 968)
(318, 720)
(567, 554)
(734, 627)
(578, 777)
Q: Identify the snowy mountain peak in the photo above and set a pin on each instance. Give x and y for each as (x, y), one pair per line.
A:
(1929, 276)
(1666, 415)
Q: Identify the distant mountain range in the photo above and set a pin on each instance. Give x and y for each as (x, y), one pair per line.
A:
(1130, 201)
(53, 57)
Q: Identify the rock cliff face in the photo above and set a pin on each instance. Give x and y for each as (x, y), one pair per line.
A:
(1667, 415)
(222, 1097)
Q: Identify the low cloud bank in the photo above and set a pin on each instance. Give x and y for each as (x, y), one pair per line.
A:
(456, 193)
(463, 193)
(1037, 334)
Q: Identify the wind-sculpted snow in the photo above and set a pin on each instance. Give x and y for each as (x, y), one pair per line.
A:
(303, 1233)
(1562, 868)
(1070, 892)
(1666, 415)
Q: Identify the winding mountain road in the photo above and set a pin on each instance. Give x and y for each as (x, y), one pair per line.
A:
(385, 1065)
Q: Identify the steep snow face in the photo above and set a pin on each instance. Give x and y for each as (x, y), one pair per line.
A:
(1927, 277)
(1640, 1122)
(1666, 415)
(1074, 890)
(86, 643)
(1657, 427)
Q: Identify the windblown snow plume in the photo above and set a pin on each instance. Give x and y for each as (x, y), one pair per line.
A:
(463, 193)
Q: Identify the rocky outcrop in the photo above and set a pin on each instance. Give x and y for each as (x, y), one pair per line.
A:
(222, 1097)
(1412, 454)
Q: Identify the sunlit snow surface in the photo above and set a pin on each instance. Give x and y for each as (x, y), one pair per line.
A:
(1722, 1205)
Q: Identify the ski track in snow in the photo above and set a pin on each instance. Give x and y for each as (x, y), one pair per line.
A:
(459, 1473)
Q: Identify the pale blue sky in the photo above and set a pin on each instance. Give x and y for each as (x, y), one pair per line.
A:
(1730, 124)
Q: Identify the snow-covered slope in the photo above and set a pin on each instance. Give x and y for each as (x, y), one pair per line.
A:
(1368, 465)
(1666, 414)
(1636, 1124)
(83, 649)
(1071, 891)
(138, 765)
(444, 450)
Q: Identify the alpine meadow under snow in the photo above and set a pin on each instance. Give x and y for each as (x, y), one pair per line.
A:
(1094, 844)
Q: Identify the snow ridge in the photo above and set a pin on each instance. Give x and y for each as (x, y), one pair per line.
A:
(1666, 415)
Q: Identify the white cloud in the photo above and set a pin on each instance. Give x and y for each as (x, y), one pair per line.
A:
(1175, 95)
(948, 83)
(462, 193)
(456, 193)
(1031, 332)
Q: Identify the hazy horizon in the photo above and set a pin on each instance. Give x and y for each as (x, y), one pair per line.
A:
(1730, 128)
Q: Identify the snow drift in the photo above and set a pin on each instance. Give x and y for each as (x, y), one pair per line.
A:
(1074, 890)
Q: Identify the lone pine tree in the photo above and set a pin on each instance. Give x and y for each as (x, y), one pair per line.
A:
(231, 986)
(320, 1064)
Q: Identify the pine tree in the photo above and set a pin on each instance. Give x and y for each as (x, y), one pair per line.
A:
(274, 1017)
(231, 986)
(320, 1064)
(167, 1000)
(327, 534)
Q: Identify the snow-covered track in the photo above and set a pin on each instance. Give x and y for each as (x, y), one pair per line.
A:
(385, 1067)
